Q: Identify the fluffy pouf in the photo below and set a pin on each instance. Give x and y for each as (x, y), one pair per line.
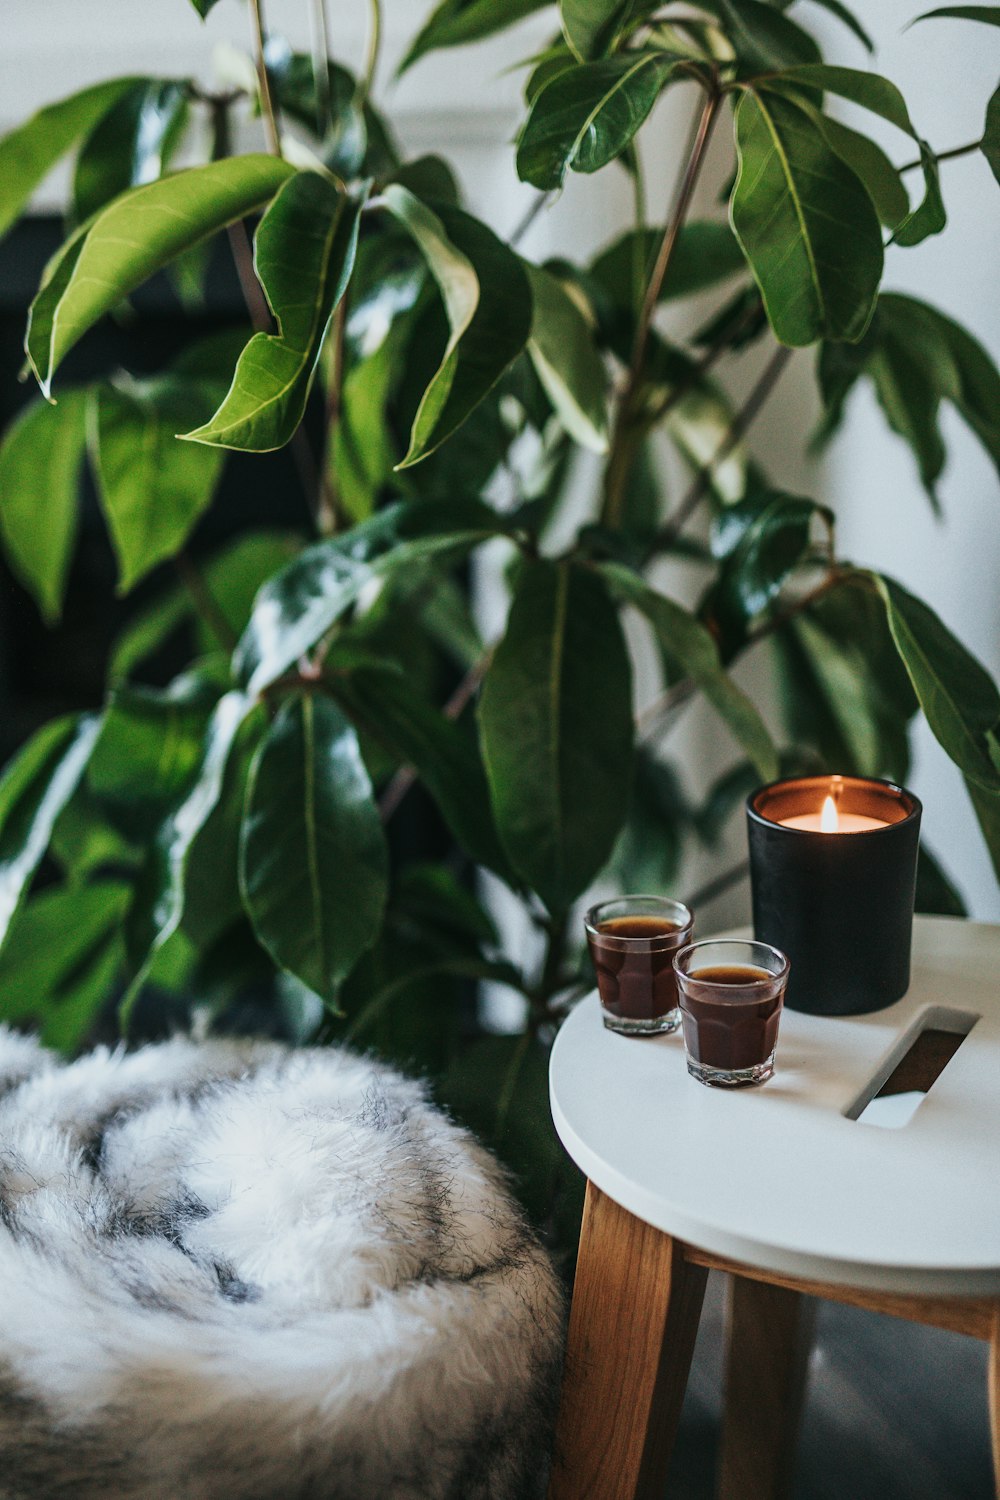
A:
(235, 1270)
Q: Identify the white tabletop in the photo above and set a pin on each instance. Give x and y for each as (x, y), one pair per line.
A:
(777, 1176)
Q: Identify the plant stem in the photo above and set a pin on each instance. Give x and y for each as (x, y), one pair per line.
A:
(203, 600)
(620, 458)
(541, 201)
(405, 777)
(719, 885)
(328, 511)
(367, 78)
(965, 150)
(321, 66)
(702, 481)
(701, 366)
(271, 128)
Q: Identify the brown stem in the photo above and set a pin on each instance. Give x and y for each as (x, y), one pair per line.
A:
(622, 439)
(541, 201)
(966, 150)
(203, 600)
(702, 481)
(700, 368)
(271, 127)
(406, 775)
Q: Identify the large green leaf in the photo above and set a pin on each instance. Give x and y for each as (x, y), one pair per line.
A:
(444, 754)
(870, 90)
(158, 905)
(39, 495)
(761, 541)
(929, 216)
(487, 301)
(152, 488)
(916, 357)
(704, 254)
(871, 164)
(762, 37)
(134, 236)
(59, 967)
(987, 808)
(567, 361)
(457, 22)
(27, 153)
(958, 696)
(555, 721)
(33, 792)
(806, 224)
(990, 143)
(688, 643)
(304, 253)
(586, 116)
(300, 604)
(850, 20)
(313, 860)
(130, 145)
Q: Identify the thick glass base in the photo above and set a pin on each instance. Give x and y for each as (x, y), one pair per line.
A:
(643, 1026)
(731, 1078)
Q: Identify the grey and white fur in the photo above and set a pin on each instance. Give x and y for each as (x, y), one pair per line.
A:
(236, 1270)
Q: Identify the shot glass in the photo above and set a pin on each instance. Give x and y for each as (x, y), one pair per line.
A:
(730, 994)
(632, 943)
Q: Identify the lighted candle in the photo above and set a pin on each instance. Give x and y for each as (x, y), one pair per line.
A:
(831, 820)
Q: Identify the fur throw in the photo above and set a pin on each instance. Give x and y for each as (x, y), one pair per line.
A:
(237, 1270)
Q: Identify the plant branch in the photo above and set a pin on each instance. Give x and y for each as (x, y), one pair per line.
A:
(541, 201)
(404, 778)
(712, 889)
(203, 600)
(367, 78)
(702, 481)
(271, 127)
(701, 367)
(619, 460)
(328, 512)
(966, 150)
(320, 33)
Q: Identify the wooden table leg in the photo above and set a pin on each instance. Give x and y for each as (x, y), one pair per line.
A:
(632, 1327)
(770, 1333)
(994, 1378)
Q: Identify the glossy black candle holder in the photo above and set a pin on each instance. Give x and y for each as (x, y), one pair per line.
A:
(840, 905)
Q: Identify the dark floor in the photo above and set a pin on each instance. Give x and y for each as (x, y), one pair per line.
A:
(894, 1411)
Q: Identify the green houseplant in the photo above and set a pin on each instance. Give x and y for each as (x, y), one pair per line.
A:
(235, 823)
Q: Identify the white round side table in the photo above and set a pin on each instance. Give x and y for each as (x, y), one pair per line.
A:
(785, 1187)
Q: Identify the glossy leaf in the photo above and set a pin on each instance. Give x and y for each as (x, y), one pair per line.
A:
(457, 22)
(488, 305)
(588, 24)
(916, 358)
(28, 153)
(35, 788)
(59, 967)
(959, 698)
(40, 463)
(875, 169)
(212, 900)
(990, 143)
(567, 361)
(585, 117)
(152, 488)
(705, 253)
(443, 753)
(555, 723)
(990, 14)
(987, 809)
(870, 90)
(761, 541)
(132, 144)
(762, 37)
(313, 861)
(134, 236)
(687, 641)
(148, 752)
(158, 905)
(304, 253)
(807, 226)
(300, 604)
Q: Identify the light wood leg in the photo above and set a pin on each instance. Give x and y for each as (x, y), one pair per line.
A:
(770, 1333)
(994, 1379)
(632, 1327)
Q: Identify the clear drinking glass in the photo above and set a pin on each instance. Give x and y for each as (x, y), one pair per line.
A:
(632, 942)
(731, 993)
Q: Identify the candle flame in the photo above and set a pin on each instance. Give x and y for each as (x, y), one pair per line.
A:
(828, 819)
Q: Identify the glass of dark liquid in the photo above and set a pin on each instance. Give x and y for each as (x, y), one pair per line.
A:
(730, 994)
(632, 943)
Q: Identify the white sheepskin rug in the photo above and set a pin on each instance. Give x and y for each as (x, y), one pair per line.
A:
(237, 1270)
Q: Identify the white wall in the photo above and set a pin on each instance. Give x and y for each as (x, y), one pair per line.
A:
(464, 105)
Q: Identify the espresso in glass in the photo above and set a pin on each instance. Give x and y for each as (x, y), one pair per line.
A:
(632, 944)
(731, 994)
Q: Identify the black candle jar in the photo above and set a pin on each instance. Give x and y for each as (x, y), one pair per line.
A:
(839, 904)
